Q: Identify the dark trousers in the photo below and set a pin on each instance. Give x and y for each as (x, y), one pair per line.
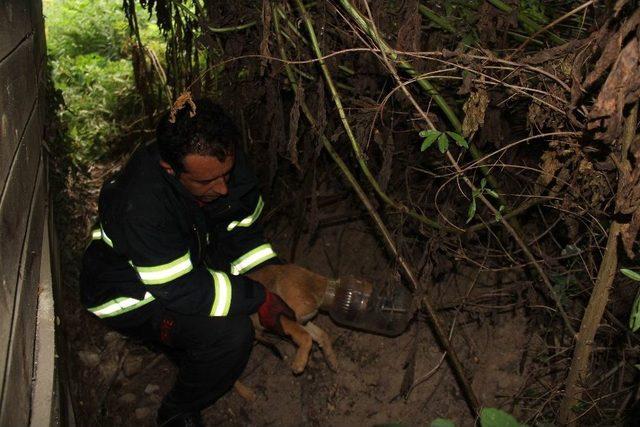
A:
(211, 352)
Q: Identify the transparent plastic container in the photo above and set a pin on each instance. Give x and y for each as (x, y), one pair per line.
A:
(357, 304)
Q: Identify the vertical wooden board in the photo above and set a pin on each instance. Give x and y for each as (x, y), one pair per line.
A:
(15, 24)
(14, 208)
(37, 24)
(41, 99)
(16, 394)
(18, 91)
(39, 54)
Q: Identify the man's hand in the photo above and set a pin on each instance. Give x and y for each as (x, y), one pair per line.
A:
(271, 310)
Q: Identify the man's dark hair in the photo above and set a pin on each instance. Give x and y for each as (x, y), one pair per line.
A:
(209, 133)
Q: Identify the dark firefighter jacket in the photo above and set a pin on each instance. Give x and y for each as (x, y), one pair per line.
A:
(154, 242)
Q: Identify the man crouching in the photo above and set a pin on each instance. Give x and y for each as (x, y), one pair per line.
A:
(176, 234)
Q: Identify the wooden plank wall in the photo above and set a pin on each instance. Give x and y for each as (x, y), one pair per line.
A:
(23, 188)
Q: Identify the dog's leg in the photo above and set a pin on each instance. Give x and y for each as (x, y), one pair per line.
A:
(303, 340)
(324, 342)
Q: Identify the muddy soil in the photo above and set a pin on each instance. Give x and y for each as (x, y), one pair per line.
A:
(119, 382)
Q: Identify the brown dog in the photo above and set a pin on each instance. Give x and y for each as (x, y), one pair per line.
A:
(304, 292)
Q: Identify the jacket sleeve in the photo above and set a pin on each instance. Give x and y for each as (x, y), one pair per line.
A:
(238, 243)
(159, 253)
(241, 244)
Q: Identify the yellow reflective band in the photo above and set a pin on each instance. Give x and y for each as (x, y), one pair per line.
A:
(250, 219)
(222, 298)
(96, 234)
(164, 273)
(120, 306)
(106, 239)
(252, 258)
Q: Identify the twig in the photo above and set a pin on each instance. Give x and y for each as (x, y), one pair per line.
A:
(579, 370)
(240, 27)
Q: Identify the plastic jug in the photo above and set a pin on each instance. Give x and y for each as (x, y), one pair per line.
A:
(357, 304)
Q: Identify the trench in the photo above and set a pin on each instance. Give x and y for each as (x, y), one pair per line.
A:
(490, 168)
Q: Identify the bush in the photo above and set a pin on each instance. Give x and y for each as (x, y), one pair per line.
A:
(78, 27)
(89, 51)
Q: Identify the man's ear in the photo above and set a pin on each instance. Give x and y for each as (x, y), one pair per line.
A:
(167, 168)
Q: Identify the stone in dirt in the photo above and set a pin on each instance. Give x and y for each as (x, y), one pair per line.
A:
(132, 366)
(111, 337)
(143, 413)
(153, 399)
(108, 368)
(127, 398)
(151, 388)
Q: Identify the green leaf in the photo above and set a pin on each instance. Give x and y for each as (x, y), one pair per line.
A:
(630, 274)
(492, 417)
(483, 182)
(430, 133)
(429, 139)
(443, 143)
(442, 422)
(634, 318)
(491, 193)
(472, 210)
(459, 139)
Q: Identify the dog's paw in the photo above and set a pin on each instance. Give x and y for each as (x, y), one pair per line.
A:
(297, 367)
(324, 342)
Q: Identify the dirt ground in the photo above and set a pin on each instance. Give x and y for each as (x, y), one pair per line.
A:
(120, 382)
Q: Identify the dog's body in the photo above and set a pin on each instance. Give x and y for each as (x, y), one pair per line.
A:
(304, 292)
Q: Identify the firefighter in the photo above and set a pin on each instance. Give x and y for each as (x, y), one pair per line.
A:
(177, 232)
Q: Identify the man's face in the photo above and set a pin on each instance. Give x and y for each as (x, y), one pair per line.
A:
(206, 177)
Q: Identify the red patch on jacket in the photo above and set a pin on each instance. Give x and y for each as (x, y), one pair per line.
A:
(166, 326)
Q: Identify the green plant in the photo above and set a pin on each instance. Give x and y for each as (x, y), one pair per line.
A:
(483, 189)
(634, 317)
(99, 96)
(442, 422)
(73, 31)
(492, 417)
(565, 286)
(431, 136)
(89, 51)
(489, 417)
